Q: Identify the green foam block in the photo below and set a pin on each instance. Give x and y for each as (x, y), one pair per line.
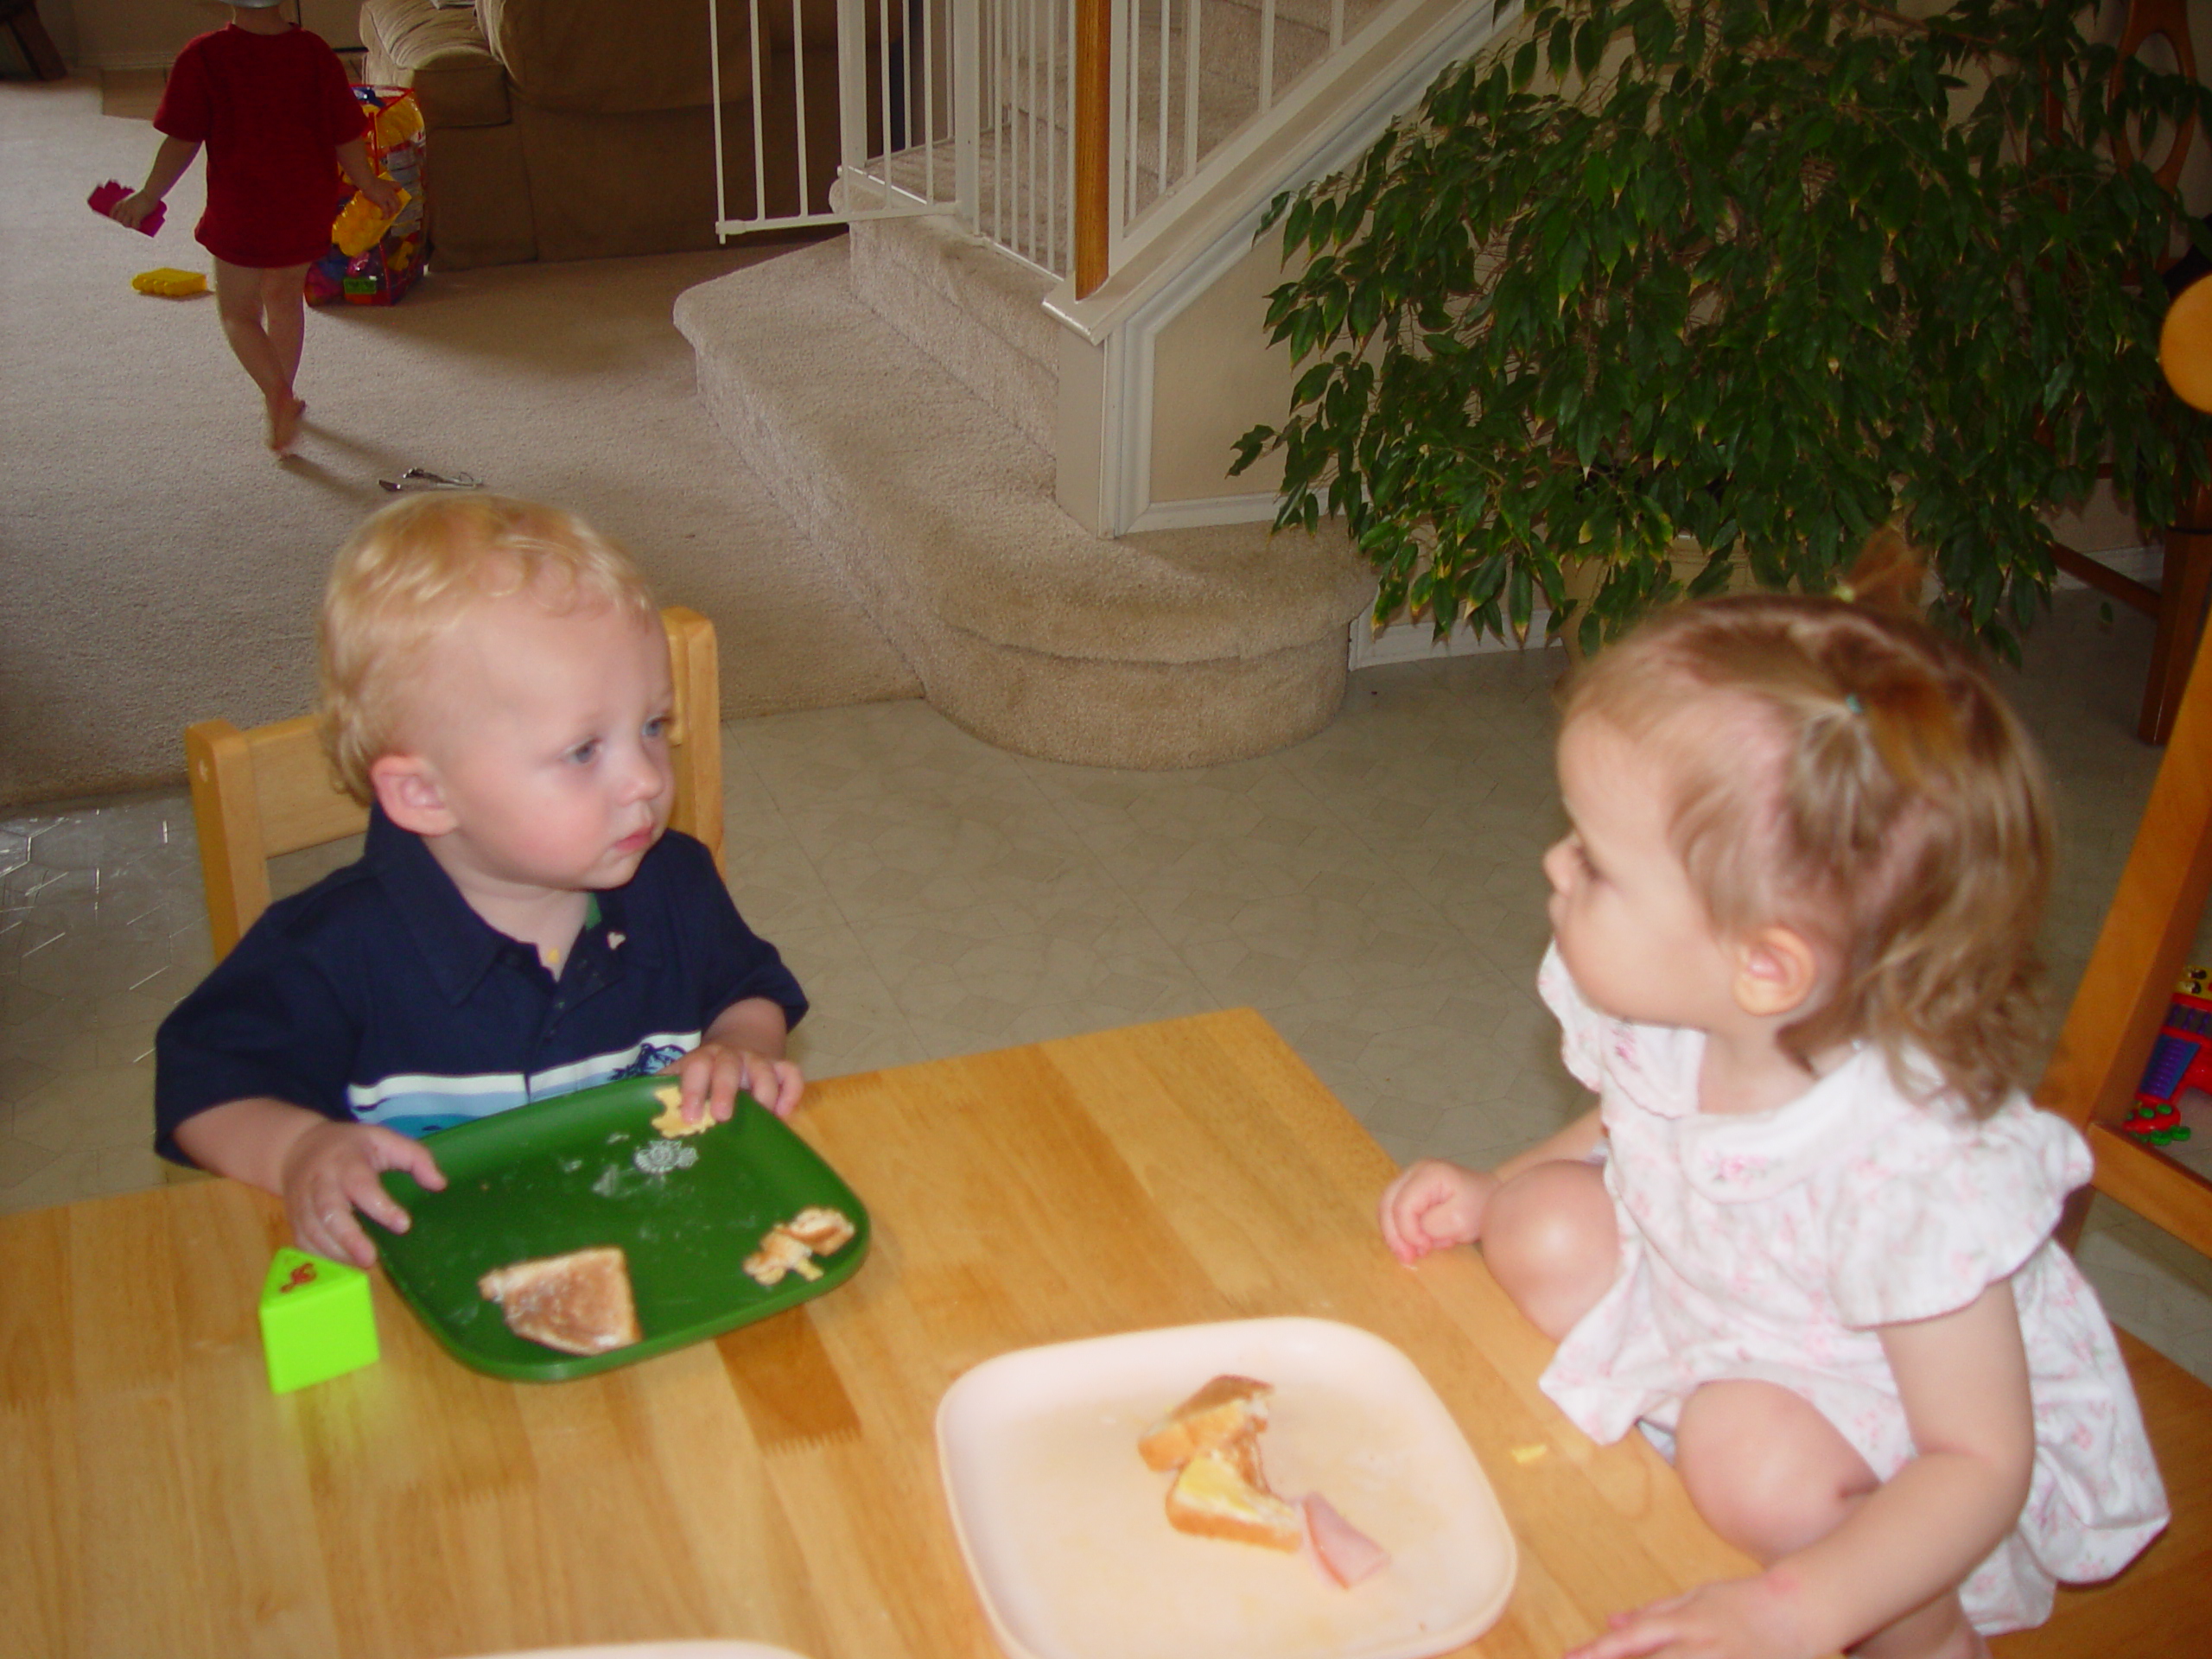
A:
(316, 1320)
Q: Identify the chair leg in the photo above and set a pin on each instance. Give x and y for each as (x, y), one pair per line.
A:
(2181, 623)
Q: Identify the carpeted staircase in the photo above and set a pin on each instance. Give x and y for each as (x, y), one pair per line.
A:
(896, 391)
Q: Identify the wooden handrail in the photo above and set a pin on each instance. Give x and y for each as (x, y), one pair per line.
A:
(1093, 109)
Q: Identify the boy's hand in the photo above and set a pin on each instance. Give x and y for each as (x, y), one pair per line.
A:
(711, 1074)
(383, 192)
(132, 211)
(331, 1171)
(1433, 1204)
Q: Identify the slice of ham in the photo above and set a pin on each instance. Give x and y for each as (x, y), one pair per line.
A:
(1347, 1555)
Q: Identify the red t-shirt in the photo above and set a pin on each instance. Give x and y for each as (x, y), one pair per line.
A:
(271, 109)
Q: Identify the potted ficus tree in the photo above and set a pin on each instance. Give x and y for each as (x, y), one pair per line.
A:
(1748, 276)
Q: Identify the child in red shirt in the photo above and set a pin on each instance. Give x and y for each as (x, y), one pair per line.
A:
(271, 103)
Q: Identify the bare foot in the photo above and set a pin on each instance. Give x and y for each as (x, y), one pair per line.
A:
(284, 423)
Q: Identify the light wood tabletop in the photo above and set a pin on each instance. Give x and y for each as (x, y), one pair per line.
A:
(779, 1483)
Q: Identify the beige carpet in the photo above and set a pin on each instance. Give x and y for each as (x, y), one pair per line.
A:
(158, 567)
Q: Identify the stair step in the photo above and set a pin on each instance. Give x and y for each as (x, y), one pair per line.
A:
(979, 313)
(1174, 648)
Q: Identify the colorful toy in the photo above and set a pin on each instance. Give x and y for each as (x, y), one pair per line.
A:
(103, 197)
(316, 1320)
(371, 264)
(2181, 1059)
(169, 283)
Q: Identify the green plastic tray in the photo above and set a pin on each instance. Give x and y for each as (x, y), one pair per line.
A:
(558, 1175)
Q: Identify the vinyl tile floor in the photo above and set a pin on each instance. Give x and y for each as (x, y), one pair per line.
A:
(1373, 891)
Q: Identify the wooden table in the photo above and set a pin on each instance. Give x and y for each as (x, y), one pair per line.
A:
(779, 1483)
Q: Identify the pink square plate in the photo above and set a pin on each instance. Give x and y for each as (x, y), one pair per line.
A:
(1066, 1534)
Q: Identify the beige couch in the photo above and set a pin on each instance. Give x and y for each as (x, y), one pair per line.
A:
(580, 129)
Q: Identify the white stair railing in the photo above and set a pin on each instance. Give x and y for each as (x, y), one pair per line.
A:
(1049, 127)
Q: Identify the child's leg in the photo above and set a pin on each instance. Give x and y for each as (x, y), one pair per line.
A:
(1549, 1237)
(240, 293)
(1772, 1475)
(284, 308)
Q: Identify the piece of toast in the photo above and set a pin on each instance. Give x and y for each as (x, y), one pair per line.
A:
(822, 1230)
(1216, 1496)
(1226, 1409)
(671, 1122)
(579, 1303)
(790, 1246)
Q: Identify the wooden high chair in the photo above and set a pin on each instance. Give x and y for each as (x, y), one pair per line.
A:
(2163, 1602)
(267, 792)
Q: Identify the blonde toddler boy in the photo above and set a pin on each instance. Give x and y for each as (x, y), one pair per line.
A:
(521, 924)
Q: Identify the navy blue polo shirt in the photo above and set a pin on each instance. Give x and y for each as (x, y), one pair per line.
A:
(378, 996)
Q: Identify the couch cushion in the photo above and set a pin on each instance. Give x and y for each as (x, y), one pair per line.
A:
(440, 53)
(613, 57)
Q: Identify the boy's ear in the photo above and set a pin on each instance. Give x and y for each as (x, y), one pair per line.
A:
(408, 790)
(1776, 971)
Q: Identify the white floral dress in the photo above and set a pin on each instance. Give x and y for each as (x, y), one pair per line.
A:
(1772, 1246)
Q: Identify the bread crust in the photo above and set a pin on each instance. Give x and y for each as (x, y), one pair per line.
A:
(579, 1303)
(1228, 1409)
(1212, 1498)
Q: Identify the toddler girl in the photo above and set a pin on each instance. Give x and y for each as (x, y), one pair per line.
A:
(271, 105)
(1804, 1239)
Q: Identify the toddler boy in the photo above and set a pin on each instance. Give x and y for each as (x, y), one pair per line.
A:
(496, 689)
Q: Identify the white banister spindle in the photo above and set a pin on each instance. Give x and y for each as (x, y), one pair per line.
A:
(1125, 65)
(1048, 212)
(715, 92)
(883, 84)
(1267, 55)
(798, 89)
(1166, 57)
(852, 83)
(967, 102)
(1190, 15)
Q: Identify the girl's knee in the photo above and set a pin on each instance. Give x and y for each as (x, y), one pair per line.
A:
(1550, 1239)
(1765, 1469)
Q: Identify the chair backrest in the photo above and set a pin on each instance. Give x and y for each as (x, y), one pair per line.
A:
(258, 794)
(2128, 987)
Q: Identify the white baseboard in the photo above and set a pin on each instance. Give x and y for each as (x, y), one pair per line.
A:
(1416, 642)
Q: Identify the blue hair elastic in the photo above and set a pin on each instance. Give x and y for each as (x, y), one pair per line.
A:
(1851, 702)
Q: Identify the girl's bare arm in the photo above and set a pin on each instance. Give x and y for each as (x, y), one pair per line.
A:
(353, 161)
(169, 162)
(1963, 1379)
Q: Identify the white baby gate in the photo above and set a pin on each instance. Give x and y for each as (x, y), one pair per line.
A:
(972, 108)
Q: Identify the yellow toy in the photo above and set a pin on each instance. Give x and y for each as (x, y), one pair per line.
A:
(396, 123)
(361, 225)
(170, 283)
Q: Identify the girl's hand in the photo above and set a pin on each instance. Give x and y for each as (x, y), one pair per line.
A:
(711, 1074)
(1732, 1618)
(383, 193)
(132, 211)
(331, 1171)
(1433, 1204)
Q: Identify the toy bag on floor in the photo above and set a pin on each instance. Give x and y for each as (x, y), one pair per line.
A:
(382, 273)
